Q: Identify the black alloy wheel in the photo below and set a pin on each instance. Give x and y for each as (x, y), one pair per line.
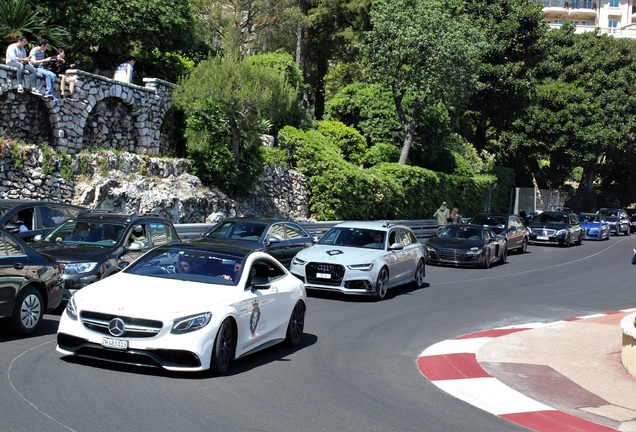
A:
(296, 325)
(223, 351)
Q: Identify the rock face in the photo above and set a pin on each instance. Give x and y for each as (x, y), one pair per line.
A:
(135, 183)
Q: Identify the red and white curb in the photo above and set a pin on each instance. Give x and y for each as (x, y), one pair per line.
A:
(453, 367)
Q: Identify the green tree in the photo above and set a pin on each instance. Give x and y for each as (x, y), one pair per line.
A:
(584, 116)
(428, 51)
(227, 100)
(104, 32)
(515, 33)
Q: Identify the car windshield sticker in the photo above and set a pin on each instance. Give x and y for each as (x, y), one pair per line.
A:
(256, 316)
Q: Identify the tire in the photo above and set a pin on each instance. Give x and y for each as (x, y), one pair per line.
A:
(627, 231)
(579, 242)
(380, 284)
(568, 240)
(223, 350)
(27, 313)
(420, 274)
(524, 246)
(504, 256)
(486, 263)
(296, 325)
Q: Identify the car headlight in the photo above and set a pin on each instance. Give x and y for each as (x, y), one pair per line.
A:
(360, 267)
(77, 268)
(71, 308)
(560, 232)
(191, 323)
(473, 251)
(297, 261)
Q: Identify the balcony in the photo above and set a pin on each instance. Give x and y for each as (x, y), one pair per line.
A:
(582, 9)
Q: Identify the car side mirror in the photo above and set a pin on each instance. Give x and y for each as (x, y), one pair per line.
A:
(134, 246)
(396, 246)
(271, 240)
(260, 283)
(37, 237)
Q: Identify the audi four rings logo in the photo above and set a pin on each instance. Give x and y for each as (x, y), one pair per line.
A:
(116, 327)
(324, 267)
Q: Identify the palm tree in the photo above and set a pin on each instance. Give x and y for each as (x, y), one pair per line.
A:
(19, 17)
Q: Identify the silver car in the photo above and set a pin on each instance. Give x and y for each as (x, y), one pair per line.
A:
(362, 258)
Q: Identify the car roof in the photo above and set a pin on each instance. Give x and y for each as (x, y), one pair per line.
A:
(110, 215)
(12, 203)
(211, 245)
(254, 219)
(373, 225)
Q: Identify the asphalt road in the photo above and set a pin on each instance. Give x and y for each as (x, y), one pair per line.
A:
(355, 371)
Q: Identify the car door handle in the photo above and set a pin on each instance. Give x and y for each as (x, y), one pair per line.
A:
(18, 266)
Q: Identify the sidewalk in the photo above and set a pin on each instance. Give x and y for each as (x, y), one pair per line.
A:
(565, 375)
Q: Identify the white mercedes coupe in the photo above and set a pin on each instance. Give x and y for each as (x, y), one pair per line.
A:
(362, 258)
(186, 307)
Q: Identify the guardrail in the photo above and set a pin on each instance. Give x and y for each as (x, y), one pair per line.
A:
(422, 228)
(191, 230)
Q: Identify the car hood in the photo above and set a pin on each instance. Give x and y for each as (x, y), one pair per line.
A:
(591, 224)
(553, 226)
(245, 244)
(340, 254)
(66, 253)
(611, 219)
(454, 243)
(126, 294)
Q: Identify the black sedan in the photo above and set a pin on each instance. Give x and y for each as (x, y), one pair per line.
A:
(280, 238)
(466, 245)
(30, 284)
(561, 228)
(510, 226)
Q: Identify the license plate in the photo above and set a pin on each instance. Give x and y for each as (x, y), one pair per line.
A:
(115, 343)
(542, 237)
(323, 275)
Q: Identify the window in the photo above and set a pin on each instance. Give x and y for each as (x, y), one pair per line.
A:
(613, 24)
(9, 247)
(614, 4)
(277, 231)
(294, 231)
(159, 233)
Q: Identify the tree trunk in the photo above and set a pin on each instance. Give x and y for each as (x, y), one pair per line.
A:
(584, 196)
(236, 140)
(408, 139)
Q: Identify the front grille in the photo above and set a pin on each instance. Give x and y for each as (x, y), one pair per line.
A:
(135, 327)
(452, 255)
(543, 232)
(150, 358)
(336, 272)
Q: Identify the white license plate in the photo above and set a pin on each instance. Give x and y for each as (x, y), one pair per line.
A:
(542, 237)
(115, 343)
(323, 275)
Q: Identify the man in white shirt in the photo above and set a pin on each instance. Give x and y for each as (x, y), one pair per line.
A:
(124, 71)
(17, 58)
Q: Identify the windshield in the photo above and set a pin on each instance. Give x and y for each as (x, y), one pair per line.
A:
(558, 219)
(461, 232)
(497, 223)
(237, 230)
(608, 213)
(354, 237)
(87, 231)
(589, 218)
(189, 264)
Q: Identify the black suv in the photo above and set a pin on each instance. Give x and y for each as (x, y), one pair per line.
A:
(562, 228)
(98, 243)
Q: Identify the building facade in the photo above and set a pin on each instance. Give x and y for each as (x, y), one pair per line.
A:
(615, 17)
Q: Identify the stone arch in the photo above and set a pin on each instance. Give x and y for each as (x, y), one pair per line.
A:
(26, 117)
(110, 123)
(172, 141)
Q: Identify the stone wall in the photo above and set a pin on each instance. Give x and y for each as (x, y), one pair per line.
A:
(108, 113)
(136, 183)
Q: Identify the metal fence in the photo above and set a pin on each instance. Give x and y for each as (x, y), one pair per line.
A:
(531, 200)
